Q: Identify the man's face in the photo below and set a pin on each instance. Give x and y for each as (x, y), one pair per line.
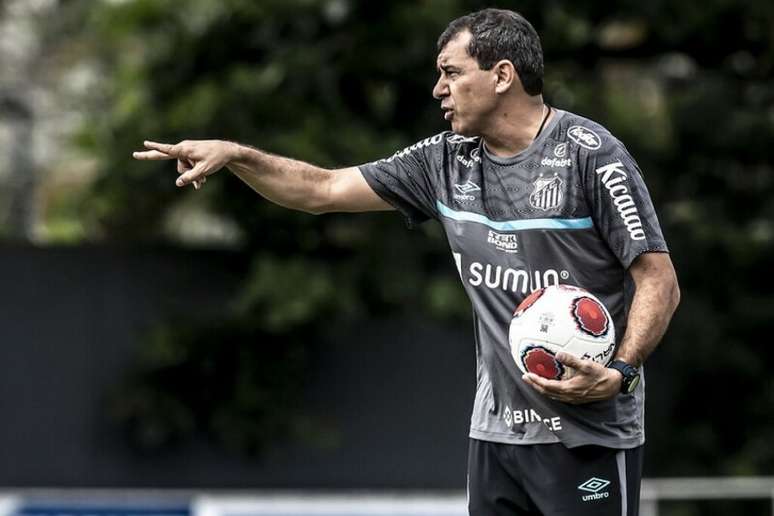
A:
(467, 93)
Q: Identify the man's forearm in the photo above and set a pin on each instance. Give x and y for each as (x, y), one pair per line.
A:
(284, 181)
(655, 300)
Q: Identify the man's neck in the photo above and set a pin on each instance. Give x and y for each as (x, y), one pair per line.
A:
(516, 126)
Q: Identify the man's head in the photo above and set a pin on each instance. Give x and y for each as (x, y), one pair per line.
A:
(483, 57)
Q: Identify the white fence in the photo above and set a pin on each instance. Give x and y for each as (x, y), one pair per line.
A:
(686, 489)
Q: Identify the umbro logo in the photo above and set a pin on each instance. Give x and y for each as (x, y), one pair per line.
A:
(596, 487)
(458, 138)
(467, 187)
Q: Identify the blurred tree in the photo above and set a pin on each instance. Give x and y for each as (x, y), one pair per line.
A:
(688, 86)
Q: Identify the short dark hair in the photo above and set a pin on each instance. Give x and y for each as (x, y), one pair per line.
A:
(501, 34)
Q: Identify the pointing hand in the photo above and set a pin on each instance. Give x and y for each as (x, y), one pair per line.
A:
(196, 159)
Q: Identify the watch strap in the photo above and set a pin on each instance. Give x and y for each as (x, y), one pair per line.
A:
(631, 375)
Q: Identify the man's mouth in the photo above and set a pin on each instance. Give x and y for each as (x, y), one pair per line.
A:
(448, 113)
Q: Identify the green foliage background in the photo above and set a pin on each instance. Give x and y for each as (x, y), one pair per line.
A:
(687, 85)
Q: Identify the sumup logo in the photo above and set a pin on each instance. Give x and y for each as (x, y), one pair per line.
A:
(478, 274)
(594, 486)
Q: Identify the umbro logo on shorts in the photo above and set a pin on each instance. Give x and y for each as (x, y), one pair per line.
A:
(594, 486)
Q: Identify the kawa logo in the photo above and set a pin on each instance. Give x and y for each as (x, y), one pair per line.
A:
(613, 177)
(584, 137)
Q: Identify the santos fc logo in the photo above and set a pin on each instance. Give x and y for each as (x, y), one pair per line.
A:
(548, 193)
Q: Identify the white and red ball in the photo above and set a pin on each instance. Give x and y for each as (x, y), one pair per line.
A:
(560, 318)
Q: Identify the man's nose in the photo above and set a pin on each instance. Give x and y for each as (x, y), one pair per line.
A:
(441, 89)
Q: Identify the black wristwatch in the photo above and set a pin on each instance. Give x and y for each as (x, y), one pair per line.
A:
(631, 375)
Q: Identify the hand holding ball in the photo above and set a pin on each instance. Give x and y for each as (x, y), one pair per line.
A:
(560, 318)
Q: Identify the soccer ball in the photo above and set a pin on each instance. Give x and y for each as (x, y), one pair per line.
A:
(560, 318)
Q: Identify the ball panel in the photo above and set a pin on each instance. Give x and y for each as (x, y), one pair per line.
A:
(591, 316)
(528, 301)
(542, 362)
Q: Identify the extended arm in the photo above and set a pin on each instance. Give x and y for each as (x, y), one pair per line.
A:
(284, 181)
(655, 300)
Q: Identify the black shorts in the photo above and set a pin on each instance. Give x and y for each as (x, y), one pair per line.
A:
(552, 480)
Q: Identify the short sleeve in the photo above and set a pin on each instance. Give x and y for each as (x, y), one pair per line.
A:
(406, 180)
(620, 204)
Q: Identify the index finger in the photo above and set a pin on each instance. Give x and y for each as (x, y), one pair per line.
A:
(151, 154)
(166, 148)
(569, 360)
(555, 387)
(584, 366)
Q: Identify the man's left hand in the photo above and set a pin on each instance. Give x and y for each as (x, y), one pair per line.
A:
(591, 382)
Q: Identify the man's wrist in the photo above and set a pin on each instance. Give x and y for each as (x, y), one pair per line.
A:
(234, 153)
(631, 359)
(630, 375)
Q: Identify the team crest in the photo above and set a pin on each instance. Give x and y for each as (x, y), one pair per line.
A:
(548, 193)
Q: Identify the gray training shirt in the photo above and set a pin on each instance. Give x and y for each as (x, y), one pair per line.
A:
(572, 208)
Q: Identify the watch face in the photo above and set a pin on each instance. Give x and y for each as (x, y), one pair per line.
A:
(633, 384)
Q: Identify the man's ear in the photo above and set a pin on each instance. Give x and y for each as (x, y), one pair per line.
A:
(505, 75)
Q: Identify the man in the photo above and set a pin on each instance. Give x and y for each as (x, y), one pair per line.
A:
(571, 205)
